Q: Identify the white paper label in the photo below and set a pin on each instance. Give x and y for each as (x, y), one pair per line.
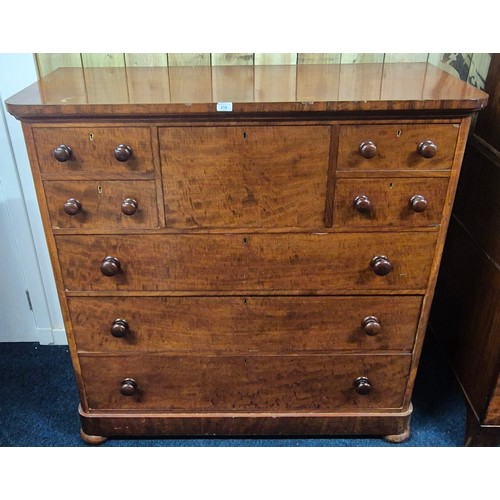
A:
(225, 106)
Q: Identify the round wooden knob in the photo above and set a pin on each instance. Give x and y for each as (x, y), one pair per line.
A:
(367, 149)
(362, 386)
(110, 266)
(418, 203)
(128, 387)
(123, 152)
(362, 204)
(62, 153)
(119, 328)
(129, 206)
(381, 265)
(371, 325)
(427, 149)
(72, 206)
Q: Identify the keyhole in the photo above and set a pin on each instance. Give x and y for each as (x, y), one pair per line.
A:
(99, 189)
(245, 241)
(91, 136)
(398, 133)
(244, 135)
(391, 185)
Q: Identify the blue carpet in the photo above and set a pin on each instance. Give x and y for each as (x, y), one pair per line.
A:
(38, 406)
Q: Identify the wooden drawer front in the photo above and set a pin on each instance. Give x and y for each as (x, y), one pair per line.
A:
(392, 202)
(244, 383)
(93, 151)
(258, 262)
(101, 204)
(245, 176)
(396, 146)
(244, 324)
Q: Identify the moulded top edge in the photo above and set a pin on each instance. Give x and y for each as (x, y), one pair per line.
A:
(222, 90)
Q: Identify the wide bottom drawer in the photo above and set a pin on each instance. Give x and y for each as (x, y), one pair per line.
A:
(245, 383)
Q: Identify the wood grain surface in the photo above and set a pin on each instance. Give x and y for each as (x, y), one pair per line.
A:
(244, 324)
(101, 204)
(396, 146)
(390, 202)
(310, 263)
(354, 87)
(222, 424)
(242, 295)
(272, 176)
(245, 383)
(93, 149)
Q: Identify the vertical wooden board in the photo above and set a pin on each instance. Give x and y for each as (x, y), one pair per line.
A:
(406, 58)
(268, 59)
(95, 60)
(116, 88)
(233, 83)
(318, 58)
(190, 84)
(185, 59)
(457, 64)
(318, 82)
(232, 59)
(479, 70)
(155, 87)
(49, 62)
(361, 58)
(146, 60)
(360, 81)
(265, 78)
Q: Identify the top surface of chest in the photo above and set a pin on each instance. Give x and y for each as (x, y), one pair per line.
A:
(302, 89)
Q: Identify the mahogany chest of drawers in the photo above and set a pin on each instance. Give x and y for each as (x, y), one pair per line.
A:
(246, 250)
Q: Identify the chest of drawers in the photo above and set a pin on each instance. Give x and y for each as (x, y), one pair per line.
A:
(263, 271)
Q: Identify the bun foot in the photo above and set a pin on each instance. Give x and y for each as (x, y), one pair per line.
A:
(93, 440)
(398, 438)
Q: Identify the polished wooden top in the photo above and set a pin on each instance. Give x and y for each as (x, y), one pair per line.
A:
(163, 91)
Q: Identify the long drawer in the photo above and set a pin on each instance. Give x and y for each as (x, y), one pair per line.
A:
(244, 383)
(308, 263)
(244, 324)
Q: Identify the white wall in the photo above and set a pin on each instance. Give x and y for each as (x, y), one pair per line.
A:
(16, 72)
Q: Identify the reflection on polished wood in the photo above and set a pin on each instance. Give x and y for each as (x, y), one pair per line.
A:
(251, 89)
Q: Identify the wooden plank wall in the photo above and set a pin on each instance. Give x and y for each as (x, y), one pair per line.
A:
(466, 66)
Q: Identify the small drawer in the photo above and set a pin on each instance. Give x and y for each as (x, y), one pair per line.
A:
(102, 205)
(244, 383)
(400, 202)
(85, 152)
(397, 146)
(242, 325)
(280, 263)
